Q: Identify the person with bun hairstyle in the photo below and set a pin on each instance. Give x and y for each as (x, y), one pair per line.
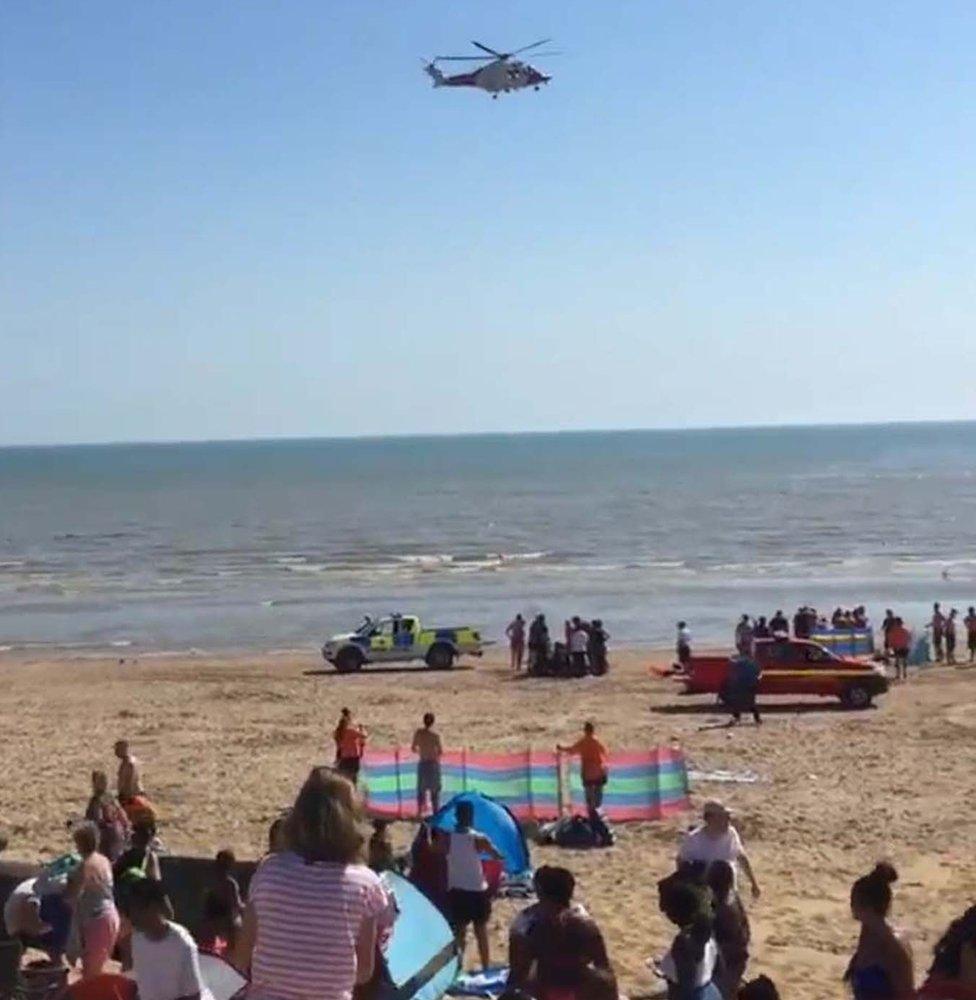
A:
(881, 966)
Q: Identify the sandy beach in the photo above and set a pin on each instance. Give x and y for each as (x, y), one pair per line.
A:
(226, 741)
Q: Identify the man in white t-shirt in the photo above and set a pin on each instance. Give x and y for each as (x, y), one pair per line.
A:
(469, 900)
(717, 840)
(165, 960)
(578, 640)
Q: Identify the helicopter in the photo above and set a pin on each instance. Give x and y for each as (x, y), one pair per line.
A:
(502, 74)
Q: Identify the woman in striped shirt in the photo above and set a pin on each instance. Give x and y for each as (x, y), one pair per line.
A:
(316, 915)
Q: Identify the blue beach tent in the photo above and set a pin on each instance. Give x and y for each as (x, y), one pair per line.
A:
(422, 957)
(498, 824)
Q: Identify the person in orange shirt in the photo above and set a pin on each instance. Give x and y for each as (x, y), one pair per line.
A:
(593, 764)
(350, 741)
(900, 640)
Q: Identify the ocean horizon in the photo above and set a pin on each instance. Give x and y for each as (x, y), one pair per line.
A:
(275, 543)
(440, 435)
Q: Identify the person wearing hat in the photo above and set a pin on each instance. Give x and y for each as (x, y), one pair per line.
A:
(717, 840)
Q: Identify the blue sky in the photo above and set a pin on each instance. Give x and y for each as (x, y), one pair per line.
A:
(238, 219)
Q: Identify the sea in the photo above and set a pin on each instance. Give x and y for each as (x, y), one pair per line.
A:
(148, 549)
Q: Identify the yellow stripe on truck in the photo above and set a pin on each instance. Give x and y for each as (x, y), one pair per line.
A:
(819, 673)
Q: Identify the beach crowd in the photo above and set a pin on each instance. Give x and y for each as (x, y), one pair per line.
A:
(582, 651)
(316, 918)
(897, 638)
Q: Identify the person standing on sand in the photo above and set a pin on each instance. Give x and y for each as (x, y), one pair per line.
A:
(881, 967)
(469, 901)
(886, 626)
(90, 887)
(129, 781)
(899, 639)
(105, 812)
(937, 624)
(350, 741)
(516, 642)
(427, 746)
(593, 765)
(578, 641)
(596, 647)
(744, 635)
(970, 622)
(683, 645)
(538, 644)
(950, 636)
(799, 621)
(742, 687)
(778, 625)
(717, 840)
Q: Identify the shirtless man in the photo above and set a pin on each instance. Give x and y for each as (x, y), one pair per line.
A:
(427, 746)
(516, 642)
(129, 781)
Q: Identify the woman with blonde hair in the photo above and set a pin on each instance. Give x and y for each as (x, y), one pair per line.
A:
(315, 914)
(90, 888)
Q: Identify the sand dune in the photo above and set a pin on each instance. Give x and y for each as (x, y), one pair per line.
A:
(226, 741)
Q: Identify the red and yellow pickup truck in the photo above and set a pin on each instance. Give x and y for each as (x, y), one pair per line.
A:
(793, 666)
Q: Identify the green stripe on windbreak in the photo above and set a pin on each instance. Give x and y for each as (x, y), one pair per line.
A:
(388, 786)
(515, 789)
(666, 783)
(380, 785)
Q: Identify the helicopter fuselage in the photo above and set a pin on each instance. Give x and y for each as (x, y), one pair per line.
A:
(497, 77)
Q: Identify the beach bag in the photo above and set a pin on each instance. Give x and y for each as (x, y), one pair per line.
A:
(601, 830)
(574, 832)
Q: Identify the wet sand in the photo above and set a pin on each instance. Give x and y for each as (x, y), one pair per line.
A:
(226, 741)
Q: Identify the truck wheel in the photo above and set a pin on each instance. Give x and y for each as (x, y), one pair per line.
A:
(440, 656)
(349, 661)
(856, 696)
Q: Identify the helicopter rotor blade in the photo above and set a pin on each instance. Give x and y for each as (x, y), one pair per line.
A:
(463, 58)
(484, 48)
(541, 55)
(525, 48)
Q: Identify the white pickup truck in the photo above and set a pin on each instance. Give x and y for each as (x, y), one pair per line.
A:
(401, 639)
